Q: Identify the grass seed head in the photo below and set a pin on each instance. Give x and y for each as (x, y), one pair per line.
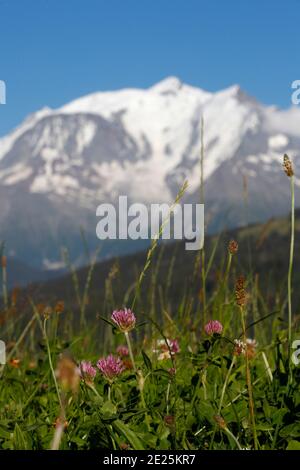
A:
(288, 166)
(240, 292)
(233, 247)
(59, 307)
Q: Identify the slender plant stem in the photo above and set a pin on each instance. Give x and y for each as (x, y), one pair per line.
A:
(130, 350)
(139, 376)
(203, 274)
(168, 396)
(4, 283)
(291, 265)
(22, 336)
(92, 387)
(154, 243)
(222, 396)
(58, 435)
(225, 384)
(233, 437)
(224, 285)
(249, 384)
(227, 269)
(60, 426)
(50, 362)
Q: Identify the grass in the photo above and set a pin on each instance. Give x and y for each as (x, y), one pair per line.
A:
(180, 388)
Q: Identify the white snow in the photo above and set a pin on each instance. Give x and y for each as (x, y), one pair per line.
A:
(7, 142)
(17, 177)
(15, 174)
(85, 136)
(53, 182)
(252, 159)
(168, 116)
(278, 141)
(53, 265)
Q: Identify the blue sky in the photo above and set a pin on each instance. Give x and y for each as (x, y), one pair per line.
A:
(52, 51)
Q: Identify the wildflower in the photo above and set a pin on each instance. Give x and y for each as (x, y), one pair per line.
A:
(287, 166)
(167, 348)
(174, 346)
(124, 319)
(172, 371)
(87, 371)
(68, 374)
(15, 363)
(111, 367)
(240, 293)
(239, 347)
(59, 307)
(233, 247)
(213, 327)
(122, 351)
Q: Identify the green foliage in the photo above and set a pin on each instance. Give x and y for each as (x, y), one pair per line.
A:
(169, 401)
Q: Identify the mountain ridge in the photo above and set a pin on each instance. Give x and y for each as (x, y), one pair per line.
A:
(59, 165)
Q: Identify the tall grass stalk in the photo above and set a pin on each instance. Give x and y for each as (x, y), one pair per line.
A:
(222, 396)
(249, 383)
(18, 342)
(203, 274)
(139, 375)
(50, 361)
(290, 271)
(154, 243)
(289, 171)
(4, 282)
(229, 433)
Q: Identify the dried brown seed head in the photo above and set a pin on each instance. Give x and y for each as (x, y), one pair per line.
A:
(287, 166)
(233, 247)
(240, 293)
(59, 307)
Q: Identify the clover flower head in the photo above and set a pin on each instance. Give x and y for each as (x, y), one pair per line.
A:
(122, 351)
(124, 319)
(213, 327)
(239, 347)
(110, 367)
(87, 371)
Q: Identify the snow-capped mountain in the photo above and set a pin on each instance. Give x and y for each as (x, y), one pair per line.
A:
(59, 165)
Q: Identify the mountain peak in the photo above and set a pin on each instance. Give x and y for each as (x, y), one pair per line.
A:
(235, 91)
(171, 83)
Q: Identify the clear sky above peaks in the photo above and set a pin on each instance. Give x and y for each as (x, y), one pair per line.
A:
(53, 51)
